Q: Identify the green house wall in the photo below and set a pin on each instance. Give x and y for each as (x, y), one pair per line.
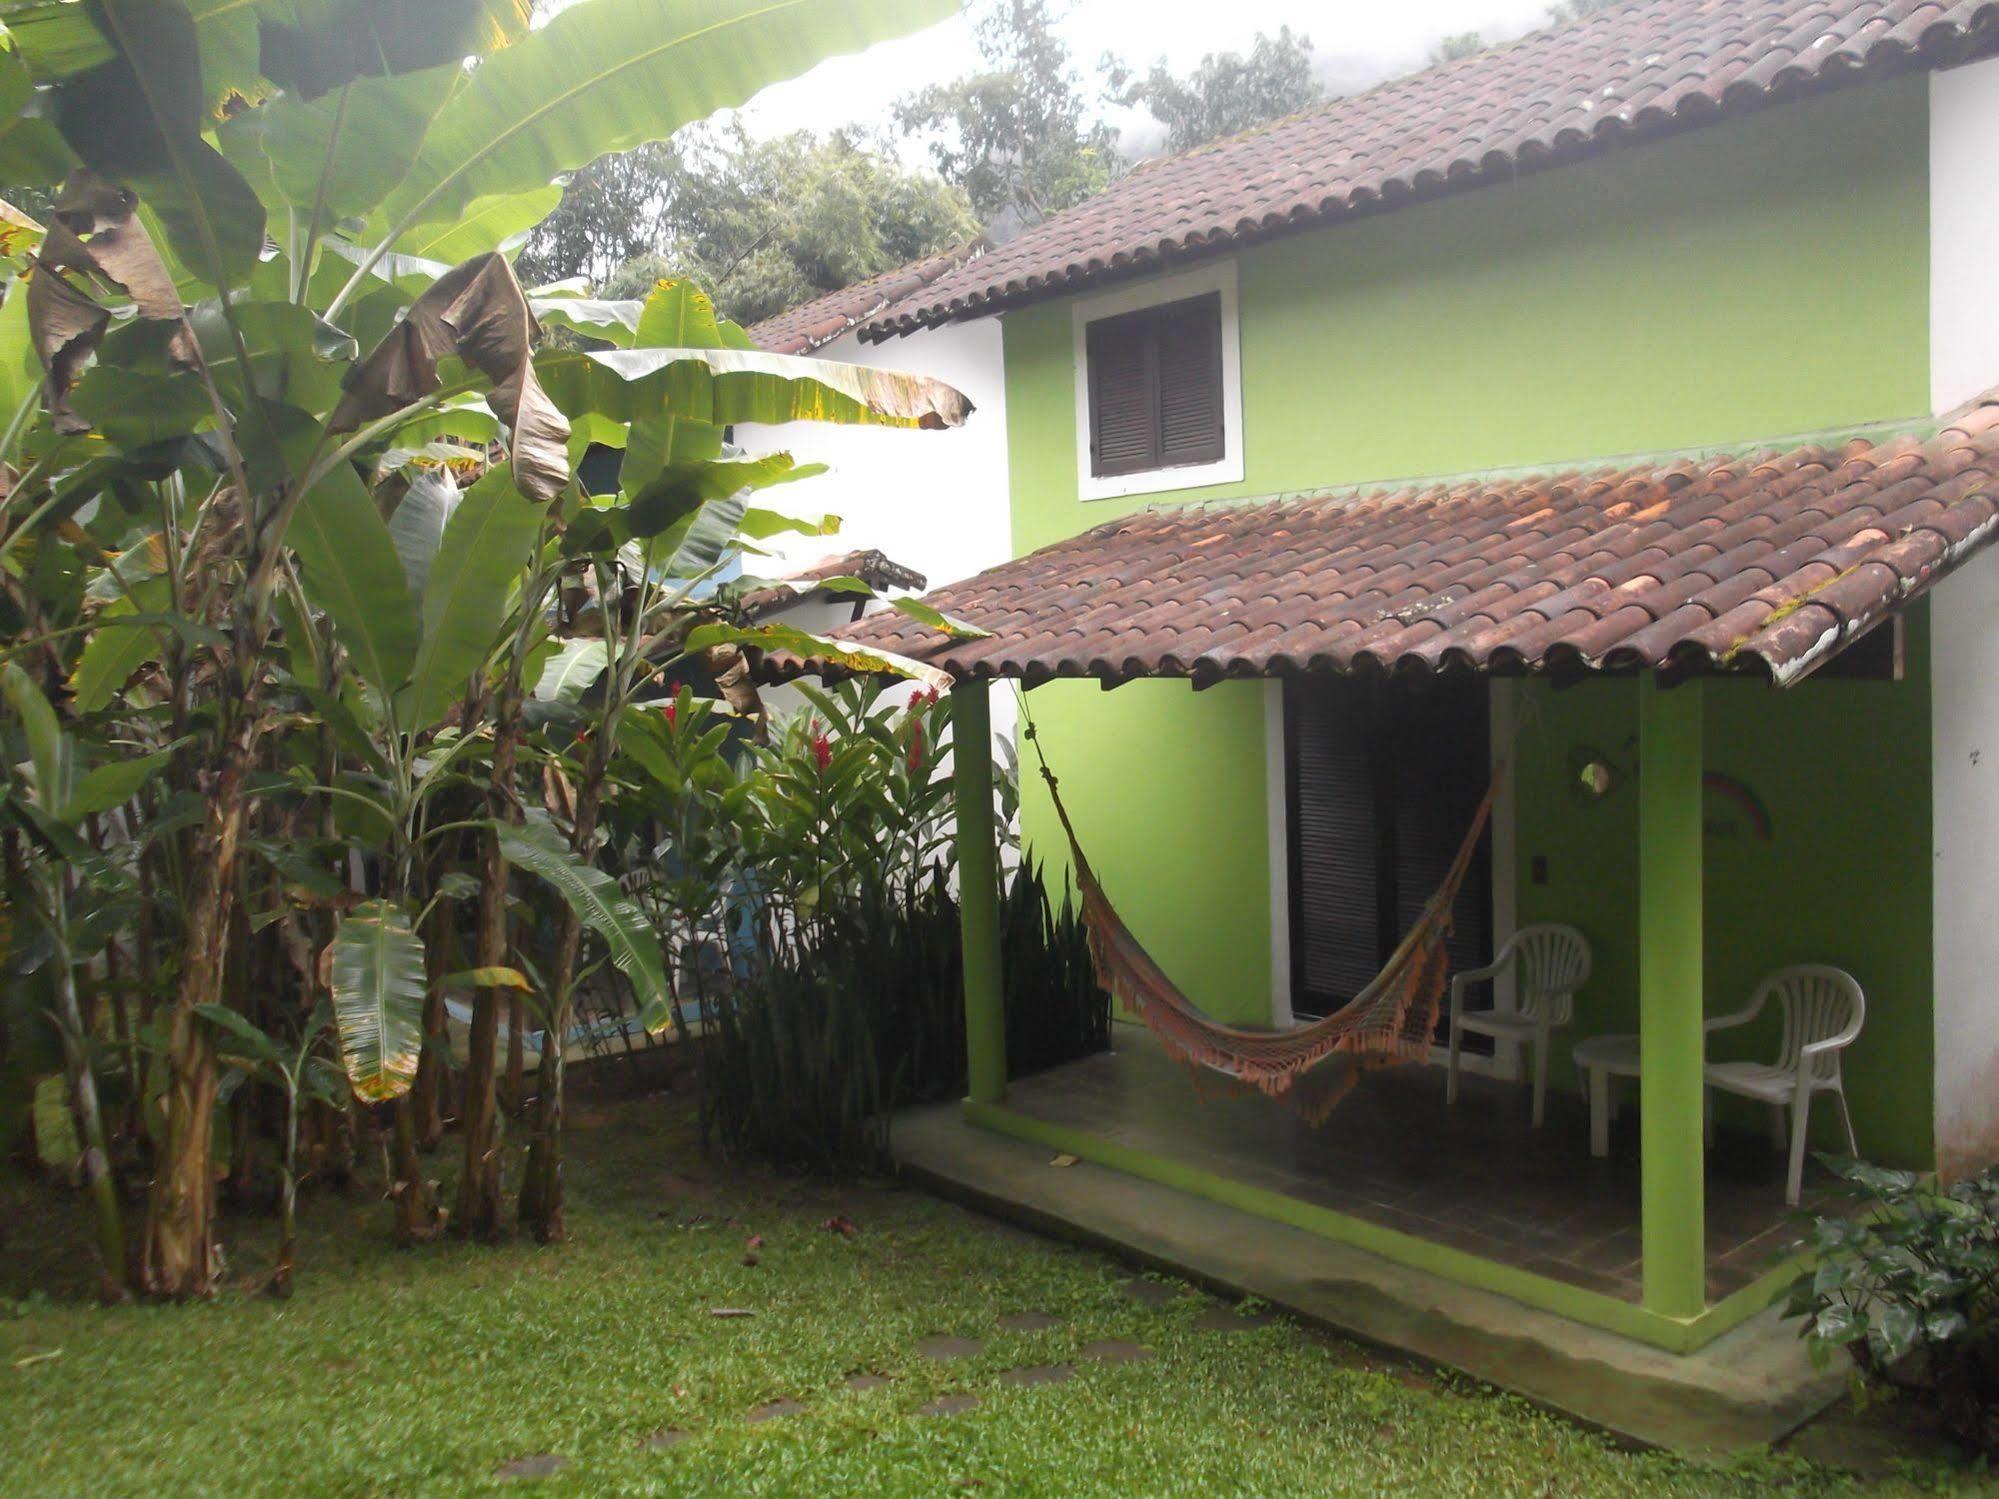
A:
(1754, 279)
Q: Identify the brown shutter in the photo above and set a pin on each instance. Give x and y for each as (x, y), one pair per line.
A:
(1336, 906)
(1124, 395)
(1190, 382)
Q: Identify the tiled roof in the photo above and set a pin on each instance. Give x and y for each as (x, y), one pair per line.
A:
(872, 567)
(812, 325)
(1767, 563)
(1633, 70)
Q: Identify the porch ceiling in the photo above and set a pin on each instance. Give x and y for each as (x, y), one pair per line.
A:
(1767, 563)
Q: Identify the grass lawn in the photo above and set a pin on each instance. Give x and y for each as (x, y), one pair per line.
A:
(423, 1372)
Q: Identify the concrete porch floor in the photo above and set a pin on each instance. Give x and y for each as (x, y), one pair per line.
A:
(1475, 1177)
(1749, 1387)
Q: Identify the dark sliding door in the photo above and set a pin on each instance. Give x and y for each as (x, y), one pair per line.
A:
(1385, 776)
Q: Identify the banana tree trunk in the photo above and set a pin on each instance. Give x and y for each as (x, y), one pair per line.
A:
(541, 1187)
(178, 1256)
(478, 1211)
(97, 1175)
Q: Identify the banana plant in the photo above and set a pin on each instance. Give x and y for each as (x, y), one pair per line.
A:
(298, 1071)
(277, 266)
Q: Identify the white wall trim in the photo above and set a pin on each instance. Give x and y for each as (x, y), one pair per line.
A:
(1505, 705)
(1277, 802)
(1964, 226)
(1219, 277)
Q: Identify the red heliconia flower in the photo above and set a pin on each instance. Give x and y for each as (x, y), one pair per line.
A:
(822, 751)
(916, 746)
(672, 713)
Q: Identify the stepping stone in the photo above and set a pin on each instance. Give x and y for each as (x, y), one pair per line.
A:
(665, 1437)
(866, 1382)
(1117, 1351)
(1028, 1322)
(1039, 1374)
(948, 1405)
(541, 1465)
(774, 1409)
(1228, 1319)
(950, 1348)
(1152, 1292)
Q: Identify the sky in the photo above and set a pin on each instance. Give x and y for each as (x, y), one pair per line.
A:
(1356, 43)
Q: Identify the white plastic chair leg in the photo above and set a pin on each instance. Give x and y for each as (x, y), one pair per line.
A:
(1541, 1049)
(1846, 1120)
(1451, 1067)
(1801, 1115)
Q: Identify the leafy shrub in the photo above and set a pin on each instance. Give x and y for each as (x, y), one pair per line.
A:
(1908, 1285)
(807, 887)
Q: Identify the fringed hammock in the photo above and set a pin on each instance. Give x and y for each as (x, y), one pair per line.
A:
(1310, 1067)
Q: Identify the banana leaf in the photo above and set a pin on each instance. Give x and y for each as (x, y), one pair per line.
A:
(601, 906)
(376, 976)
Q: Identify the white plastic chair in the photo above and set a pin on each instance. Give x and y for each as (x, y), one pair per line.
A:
(1554, 963)
(1823, 1012)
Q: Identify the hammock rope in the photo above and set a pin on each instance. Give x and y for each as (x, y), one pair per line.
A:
(1391, 1021)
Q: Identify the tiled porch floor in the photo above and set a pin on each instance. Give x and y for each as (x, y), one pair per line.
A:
(1477, 1177)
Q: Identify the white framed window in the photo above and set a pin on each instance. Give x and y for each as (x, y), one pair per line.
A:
(1158, 379)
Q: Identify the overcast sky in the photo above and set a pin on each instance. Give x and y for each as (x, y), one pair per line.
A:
(1356, 43)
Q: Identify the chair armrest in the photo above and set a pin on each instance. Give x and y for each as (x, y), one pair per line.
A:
(1740, 1017)
(1831, 1043)
(1477, 975)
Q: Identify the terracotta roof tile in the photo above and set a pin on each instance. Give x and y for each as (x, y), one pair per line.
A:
(1637, 68)
(812, 325)
(872, 567)
(1766, 563)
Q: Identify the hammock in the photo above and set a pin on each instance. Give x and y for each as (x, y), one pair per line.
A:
(1309, 1067)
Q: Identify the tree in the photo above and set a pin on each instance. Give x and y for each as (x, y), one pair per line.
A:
(764, 224)
(1227, 92)
(1456, 47)
(258, 602)
(1564, 11)
(1015, 136)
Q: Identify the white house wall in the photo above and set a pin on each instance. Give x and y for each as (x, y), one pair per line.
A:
(934, 501)
(1964, 634)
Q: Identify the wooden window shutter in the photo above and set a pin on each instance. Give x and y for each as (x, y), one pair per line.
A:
(1336, 894)
(1124, 395)
(1190, 382)
(1155, 382)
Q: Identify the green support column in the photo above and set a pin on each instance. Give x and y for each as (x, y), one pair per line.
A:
(1670, 1039)
(978, 890)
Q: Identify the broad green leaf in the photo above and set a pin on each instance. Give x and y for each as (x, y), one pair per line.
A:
(339, 154)
(311, 47)
(613, 321)
(760, 524)
(612, 74)
(32, 151)
(677, 314)
(598, 902)
(498, 223)
(916, 609)
(120, 645)
(51, 751)
(828, 650)
(139, 120)
(708, 536)
(115, 784)
(351, 570)
(20, 371)
(237, 1027)
(724, 386)
(417, 527)
(487, 543)
(377, 981)
(571, 670)
(296, 357)
(486, 978)
(137, 408)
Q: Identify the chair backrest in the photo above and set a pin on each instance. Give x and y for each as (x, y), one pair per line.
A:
(1554, 962)
(1819, 1002)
